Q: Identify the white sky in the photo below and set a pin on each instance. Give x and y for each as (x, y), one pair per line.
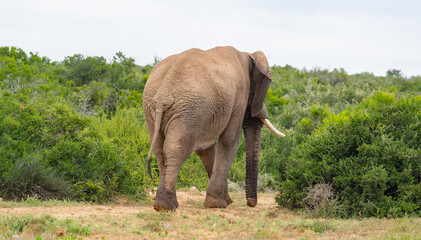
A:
(358, 35)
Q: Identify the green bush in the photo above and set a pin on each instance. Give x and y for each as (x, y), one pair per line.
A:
(84, 70)
(369, 154)
(95, 163)
(56, 112)
(30, 178)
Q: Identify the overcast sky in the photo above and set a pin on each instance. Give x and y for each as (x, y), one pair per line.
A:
(359, 35)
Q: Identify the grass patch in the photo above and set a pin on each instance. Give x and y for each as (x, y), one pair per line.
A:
(235, 222)
(154, 223)
(14, 225)
(73, 226)
(400, 237)
(318, 225)
(41, 227)
(35, 202)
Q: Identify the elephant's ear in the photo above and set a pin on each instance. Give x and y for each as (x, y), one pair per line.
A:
(261, 78)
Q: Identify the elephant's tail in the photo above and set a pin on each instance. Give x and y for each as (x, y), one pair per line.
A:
(158, 118)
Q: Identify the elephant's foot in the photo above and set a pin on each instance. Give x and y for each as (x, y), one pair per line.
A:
(228, 199)
(165, 200)
(211, 202)
(251, 202)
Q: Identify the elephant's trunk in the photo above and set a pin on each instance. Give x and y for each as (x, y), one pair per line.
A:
(253, 134)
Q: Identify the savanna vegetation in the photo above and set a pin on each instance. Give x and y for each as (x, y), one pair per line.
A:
(37, 220)
(75, 129)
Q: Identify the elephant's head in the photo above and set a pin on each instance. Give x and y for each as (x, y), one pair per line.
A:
(256, 115)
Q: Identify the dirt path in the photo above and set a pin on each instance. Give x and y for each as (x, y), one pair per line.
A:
(129, 220)
(190, 201)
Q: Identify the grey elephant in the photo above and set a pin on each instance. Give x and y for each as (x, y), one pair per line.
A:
(198, 101)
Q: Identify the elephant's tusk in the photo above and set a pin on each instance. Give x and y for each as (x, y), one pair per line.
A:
(272, 128)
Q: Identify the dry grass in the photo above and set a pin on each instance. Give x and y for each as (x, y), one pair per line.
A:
(130, 220)
(321, 201)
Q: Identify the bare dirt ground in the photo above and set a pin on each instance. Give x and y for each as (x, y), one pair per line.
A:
(131, 220)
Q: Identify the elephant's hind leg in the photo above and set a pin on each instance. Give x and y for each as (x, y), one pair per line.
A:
(208, 158)
(176, 149)
(166, 198)
(217, 192)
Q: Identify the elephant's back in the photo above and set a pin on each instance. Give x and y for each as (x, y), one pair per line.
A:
(195, 80)
(201, 88)
(189, 67)
(198, 72)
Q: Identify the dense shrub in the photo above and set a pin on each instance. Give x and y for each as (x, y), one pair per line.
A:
(370, 154)
(83, 70)
(29, 177)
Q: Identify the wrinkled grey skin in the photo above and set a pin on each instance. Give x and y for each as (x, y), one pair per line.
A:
(198, 101)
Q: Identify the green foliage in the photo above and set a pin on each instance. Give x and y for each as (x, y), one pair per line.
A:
(394, 73)
(58, 125)
(83, 70)
(28, 177)
(76, 228)
(369, 154)
(11, 227)
(193, 173)
(16, 226)
(123, 74)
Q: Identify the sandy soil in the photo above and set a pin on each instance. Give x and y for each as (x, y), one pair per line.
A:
(190, 213)
(130, 220)
(190, 201)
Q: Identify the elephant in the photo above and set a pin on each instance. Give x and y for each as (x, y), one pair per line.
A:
(198, 101)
